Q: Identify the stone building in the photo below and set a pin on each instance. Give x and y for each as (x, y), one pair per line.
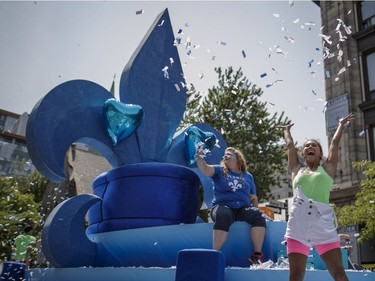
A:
(348, 33)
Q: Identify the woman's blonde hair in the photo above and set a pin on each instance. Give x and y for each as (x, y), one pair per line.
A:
(240, 161)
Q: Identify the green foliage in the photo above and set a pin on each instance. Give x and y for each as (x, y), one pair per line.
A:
(363, 211)
(19, 206)
(233, 109)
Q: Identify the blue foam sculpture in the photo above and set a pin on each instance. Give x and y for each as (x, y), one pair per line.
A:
(63, 236)
(73, 112)
(13, 271)
(144, 195)
(200, 264)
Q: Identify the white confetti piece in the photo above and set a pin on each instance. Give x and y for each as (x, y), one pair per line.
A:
(342, 70)
(326, 38)
(296, 21)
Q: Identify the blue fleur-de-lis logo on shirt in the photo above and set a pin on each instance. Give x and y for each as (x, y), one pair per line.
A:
(235, 185)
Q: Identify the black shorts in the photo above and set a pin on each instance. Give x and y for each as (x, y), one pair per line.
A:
(223, 216)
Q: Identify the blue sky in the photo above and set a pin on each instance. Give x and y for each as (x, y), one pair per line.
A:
(45, 43)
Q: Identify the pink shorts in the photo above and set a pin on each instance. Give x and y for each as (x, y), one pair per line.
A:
(294, 246)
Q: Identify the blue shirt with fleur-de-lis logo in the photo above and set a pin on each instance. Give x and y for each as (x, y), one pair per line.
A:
(232, 190)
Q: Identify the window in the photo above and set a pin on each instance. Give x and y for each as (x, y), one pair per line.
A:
(370, 69)
(367, 14)
(372, 143)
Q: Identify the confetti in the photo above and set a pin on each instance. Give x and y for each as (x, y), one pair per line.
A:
(228, 111)
(296, 21)
(341, 70)
(361, 133)
(263, 75)
(165, 71)
(309, 23)
(289, 39)
(243, 54)
(326, 38)
(221, 43)
(140, 12)
(188, 43)
(276, 15)
(160, 24)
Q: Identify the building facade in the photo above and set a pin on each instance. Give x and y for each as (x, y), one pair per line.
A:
(14, 158)
(348, 32)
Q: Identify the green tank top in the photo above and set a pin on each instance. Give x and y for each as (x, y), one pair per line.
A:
(315, 185)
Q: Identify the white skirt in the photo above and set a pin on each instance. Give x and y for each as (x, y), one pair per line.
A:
(311, 222)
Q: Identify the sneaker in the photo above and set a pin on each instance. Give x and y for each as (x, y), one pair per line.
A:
(256, 259)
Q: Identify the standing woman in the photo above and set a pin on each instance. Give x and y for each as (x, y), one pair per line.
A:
(312, 221)
(234, 199)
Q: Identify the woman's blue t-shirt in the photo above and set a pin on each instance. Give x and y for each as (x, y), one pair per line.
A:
(232, 190)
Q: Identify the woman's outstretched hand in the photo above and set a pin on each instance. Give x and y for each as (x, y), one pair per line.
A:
(347, 119)
(285, 127)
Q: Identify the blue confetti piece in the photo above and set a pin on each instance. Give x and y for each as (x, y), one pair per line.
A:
(361, 133)
(328, 74)
(243, 54)
(263, 75)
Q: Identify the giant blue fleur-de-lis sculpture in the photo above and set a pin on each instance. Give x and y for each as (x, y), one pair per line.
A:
(154, 180)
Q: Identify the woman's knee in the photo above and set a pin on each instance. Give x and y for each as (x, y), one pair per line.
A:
(223, 218)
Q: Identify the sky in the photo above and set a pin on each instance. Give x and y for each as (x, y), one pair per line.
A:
(277, 44)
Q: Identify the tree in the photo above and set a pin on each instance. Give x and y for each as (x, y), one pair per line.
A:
(233, 109)
(363, 210)
(17, 209)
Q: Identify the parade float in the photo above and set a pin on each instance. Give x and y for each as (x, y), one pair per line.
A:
(143, 221)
